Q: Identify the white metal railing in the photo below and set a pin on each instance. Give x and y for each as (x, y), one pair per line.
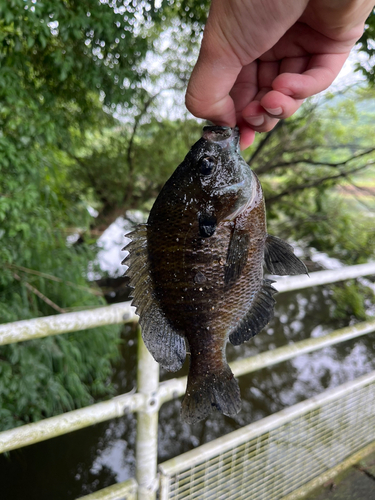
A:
(30, 329)
(151, 395)
(127, 490)
(270, 458)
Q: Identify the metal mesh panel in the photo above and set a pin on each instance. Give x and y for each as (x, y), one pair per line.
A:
(319, 434)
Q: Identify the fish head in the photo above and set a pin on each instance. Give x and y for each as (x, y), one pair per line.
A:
(226, 183)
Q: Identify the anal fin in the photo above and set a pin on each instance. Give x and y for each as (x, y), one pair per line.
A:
(259, 314)
(280, 259)
(165, 344)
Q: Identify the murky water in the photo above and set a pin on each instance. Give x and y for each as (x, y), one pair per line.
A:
(84, 461)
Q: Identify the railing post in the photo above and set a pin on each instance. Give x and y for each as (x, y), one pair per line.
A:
(147, 424)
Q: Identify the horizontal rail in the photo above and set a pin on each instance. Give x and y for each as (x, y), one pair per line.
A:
(70, 421)
(68, 322)
(170, 389)
(123, 312)
(269, 358)
(126, 490)
(299, 282)
(231, 440)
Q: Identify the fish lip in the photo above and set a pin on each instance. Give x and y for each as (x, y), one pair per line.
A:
(226, 136)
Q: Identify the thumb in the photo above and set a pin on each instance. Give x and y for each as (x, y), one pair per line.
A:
(207, 95)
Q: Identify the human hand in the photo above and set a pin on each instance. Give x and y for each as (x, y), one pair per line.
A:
(260, 59)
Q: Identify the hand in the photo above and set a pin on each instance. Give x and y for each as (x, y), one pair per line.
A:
(260, 59)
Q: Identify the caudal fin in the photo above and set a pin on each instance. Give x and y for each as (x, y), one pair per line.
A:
(213, 390)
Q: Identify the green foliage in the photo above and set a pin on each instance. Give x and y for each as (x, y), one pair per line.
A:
(40, 205)
(306, 166)
(121, 168)
(366, 46)
(329, 226)
(317, 170)
(60, 62)
(43, 377)
(349, 300)
(67, 49)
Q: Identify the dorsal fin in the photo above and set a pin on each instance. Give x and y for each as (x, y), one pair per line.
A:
(259, 314)
(280, 259)
(164, 343)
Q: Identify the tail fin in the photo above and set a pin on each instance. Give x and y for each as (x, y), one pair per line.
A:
(212, 390)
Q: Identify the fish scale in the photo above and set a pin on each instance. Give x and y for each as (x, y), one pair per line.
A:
(197, 270)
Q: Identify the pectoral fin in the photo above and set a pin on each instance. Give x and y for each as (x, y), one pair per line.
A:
(259, 314)
(237, 256)
(280, 259)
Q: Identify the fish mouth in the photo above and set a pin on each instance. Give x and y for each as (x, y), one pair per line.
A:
(226, 136)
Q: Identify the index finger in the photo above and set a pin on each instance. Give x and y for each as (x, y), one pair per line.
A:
(321, 72)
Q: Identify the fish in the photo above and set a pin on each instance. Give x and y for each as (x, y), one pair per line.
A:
(196, 269)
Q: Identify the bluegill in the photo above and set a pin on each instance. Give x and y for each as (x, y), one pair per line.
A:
(196, 267)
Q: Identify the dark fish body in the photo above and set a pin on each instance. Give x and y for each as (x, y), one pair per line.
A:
(197, 269)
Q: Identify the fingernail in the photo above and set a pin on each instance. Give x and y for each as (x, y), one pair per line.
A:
(256, 121)
(274, 111)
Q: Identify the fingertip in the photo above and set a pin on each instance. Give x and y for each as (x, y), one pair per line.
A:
(220, 112)
(279, 105)
(247, 136)
(257, 119)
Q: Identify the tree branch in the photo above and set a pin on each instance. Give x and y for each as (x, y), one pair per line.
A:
(264, 142)
(134, 131)
(39, 294)
(316, 182)
(55, 278)
(262, 170)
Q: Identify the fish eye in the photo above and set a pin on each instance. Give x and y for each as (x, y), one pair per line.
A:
(206, 165)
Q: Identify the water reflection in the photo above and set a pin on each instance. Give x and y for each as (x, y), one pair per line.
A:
(117, 455)
(64, 467)
(93, 458)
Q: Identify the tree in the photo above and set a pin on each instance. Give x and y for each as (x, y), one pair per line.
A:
(303, 162)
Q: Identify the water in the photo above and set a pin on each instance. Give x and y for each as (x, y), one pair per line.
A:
(84, 461)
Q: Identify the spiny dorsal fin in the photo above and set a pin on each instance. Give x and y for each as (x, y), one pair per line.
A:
(237, 256)
(259, 314)
(280, 259)
(164, 343)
